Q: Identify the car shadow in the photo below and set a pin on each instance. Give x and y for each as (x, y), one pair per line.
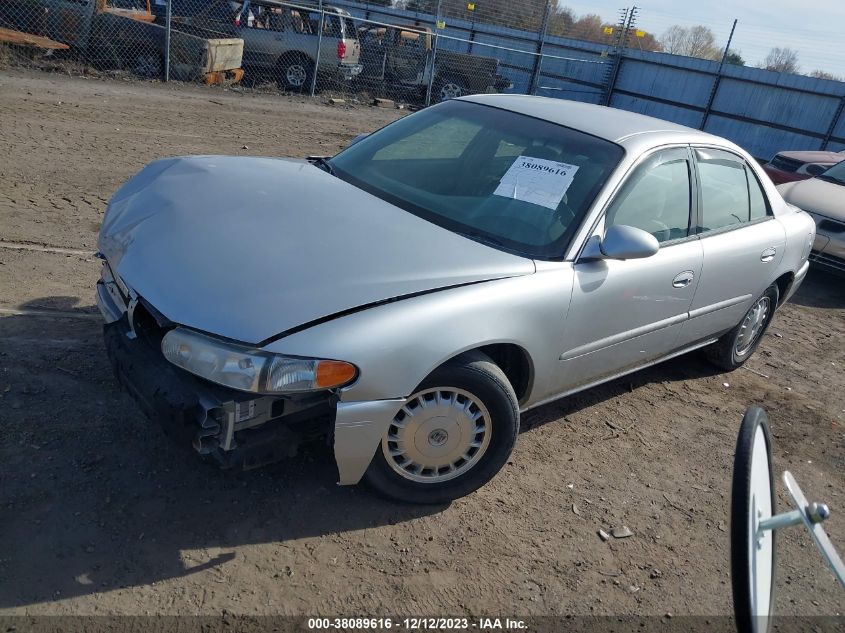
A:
(94, 497)
(690, 366)
(821, 289)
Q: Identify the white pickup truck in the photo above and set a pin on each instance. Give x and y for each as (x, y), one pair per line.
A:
(281, 40)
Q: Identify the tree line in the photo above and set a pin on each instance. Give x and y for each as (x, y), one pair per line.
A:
(692, 41)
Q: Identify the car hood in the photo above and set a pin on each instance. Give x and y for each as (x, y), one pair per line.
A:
(816, 196)
(248, 248)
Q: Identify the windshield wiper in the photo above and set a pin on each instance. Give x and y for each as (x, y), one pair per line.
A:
(488, 240)
(322, 162)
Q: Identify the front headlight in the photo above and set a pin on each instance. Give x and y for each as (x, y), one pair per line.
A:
(249, 369)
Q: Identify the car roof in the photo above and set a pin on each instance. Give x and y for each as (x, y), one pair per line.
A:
(611, 124)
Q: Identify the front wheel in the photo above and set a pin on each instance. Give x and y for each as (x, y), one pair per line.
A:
(452, 436)
(734, 348)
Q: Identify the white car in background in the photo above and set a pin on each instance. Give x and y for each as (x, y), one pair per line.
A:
(823, 197)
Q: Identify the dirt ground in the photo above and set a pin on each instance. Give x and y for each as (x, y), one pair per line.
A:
(101, 513)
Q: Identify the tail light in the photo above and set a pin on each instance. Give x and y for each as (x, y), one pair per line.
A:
(238, 19)
(341, 49)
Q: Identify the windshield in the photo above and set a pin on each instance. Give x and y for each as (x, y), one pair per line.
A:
(503, 178)
(835, 174)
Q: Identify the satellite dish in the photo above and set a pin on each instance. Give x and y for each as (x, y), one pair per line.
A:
(754, 524)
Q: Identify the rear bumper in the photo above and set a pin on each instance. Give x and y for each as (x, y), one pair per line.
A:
(830, 263)
(829, 246)
(349, 71)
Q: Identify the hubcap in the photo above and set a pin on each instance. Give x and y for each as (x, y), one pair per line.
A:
(450, 91)
(295, 74)
(752, 326)
(438, 435)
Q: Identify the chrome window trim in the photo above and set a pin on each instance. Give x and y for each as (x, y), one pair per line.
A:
(732, 227)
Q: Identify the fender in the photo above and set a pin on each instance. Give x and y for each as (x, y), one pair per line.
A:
(395, 346)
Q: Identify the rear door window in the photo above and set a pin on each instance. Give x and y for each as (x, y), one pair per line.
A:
(731, 195)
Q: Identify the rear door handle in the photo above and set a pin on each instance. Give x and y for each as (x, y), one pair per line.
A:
(683, 279)
(768, 255)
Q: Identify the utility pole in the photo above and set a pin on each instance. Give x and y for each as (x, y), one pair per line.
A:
(538, 62)
(626, 22)
(718, 80)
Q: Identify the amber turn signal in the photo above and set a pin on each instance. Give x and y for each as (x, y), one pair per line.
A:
(331, 373)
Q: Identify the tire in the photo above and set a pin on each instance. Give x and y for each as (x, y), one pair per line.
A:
(148, 64)
(294, 72)
(446, 88)
(475, 390)
(734, 348)
(105, 57)
(743, 504)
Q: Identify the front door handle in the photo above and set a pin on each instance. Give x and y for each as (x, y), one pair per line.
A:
(768, 255)
(683, 279)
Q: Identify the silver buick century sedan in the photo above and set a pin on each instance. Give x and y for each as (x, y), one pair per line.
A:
(411, 296)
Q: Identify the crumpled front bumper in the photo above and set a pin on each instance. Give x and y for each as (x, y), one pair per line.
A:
(235, 429)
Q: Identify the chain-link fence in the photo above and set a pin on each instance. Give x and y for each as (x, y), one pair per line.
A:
(417, 52)
(416, 55)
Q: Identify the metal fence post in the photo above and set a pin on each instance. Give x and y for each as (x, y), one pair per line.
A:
(433, 55)
(538, 62)
(718, 81)
(319, 49)
(833, 123)
(167, 42)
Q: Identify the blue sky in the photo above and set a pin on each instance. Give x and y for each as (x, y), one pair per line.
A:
(808, 27)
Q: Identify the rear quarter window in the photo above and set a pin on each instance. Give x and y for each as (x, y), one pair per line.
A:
(759, 205)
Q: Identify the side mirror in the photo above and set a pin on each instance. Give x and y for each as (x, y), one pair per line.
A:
(814, 170)
(621, 242)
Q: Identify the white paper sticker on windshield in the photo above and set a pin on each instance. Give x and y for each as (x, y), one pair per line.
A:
(536, 180)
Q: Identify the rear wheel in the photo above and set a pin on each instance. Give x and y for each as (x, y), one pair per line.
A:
(734, 348)
(294, 72)
(452, 436)
(148, 64)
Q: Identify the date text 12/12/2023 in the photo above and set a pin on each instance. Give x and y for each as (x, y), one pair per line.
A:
(416, 624)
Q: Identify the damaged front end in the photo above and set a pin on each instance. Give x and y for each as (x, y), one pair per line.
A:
(233, 428)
